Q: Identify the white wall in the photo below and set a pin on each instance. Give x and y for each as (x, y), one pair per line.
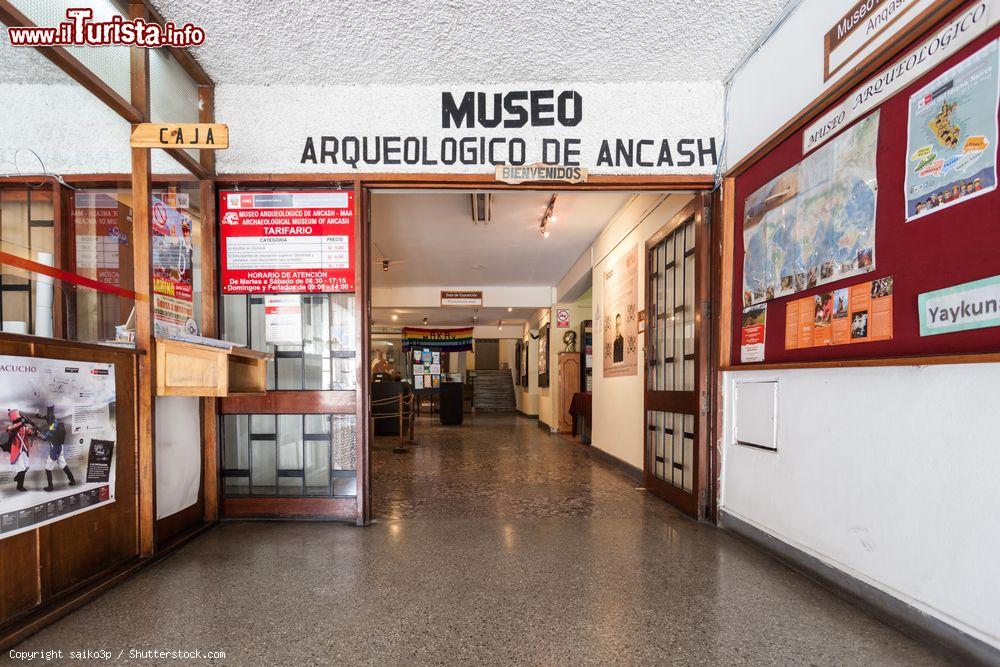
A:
(617, 401)
(889, 474)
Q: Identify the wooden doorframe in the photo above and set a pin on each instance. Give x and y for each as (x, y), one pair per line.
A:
(701, 502)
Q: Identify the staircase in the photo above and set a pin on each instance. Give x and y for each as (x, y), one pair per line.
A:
(493, 391)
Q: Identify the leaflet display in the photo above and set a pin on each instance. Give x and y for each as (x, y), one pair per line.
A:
(287, 242)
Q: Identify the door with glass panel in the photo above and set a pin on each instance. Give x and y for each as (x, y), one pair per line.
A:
(299, 439)
(676, 415)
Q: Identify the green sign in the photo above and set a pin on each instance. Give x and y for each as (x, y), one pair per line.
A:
(974, 305)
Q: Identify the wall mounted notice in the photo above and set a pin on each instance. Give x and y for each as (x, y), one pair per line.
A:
(173, 270)
(287, 242)
(815, 223)
(974, 305)
(57, 438)
(283, 319)
(860, 313)
(463, 298)
(952, 138)
(621, 317)
(863, 22)
(753, 333)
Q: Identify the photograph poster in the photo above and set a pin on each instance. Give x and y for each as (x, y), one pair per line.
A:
(952, 135)
(57, 438)
(621, 316)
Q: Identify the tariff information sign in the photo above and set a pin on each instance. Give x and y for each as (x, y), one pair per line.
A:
(287, 242)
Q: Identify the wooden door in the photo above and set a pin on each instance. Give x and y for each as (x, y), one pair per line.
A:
(677, 362)
(569, 384)
(487, 354)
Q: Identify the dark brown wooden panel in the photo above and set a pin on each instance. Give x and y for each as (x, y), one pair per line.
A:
(19, 588)
(171, 526)
(291, 403)
(345, 509)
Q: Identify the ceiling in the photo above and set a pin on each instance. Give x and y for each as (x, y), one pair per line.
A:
(449, 317)
(269, 42)
(430, 239)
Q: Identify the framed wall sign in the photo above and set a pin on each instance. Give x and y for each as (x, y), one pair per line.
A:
(286, 242)
(543, 356)
(461, 298)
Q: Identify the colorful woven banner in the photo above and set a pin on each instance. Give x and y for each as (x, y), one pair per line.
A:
(445, 340)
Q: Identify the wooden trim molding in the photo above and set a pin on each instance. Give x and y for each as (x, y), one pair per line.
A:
(330, 509)
(291, 403)
(927, 360)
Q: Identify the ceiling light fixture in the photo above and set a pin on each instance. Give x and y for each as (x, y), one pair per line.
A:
(425, 320)
(510, 310)
(395, 317)
(385, 265)
(548, 217)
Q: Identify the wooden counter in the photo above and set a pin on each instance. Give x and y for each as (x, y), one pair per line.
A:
(190, 369)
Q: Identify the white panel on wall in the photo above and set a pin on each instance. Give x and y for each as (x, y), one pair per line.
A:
(178, 454)
(756, 405)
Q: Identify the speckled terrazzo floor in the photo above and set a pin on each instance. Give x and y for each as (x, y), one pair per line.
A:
(496, 544)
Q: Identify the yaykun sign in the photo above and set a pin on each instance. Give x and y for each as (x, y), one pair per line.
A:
(601, 128)
(287, 242)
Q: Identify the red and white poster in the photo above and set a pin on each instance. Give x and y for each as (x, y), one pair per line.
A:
(173, 269)
(754, 331)
(287, 242)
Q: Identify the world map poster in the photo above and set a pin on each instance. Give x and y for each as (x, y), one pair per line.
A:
(814, 223)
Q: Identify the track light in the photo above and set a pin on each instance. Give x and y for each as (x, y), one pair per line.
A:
(425, 320)
(510, 310)
(385, 265)
(547, 217)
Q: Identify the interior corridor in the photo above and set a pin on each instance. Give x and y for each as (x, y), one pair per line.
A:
(495, 543)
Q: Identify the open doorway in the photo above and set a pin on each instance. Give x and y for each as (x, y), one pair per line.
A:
(502, 309)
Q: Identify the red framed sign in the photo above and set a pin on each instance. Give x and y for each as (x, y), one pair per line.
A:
(286, 242)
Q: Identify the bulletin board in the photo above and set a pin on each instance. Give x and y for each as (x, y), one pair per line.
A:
(948, 247)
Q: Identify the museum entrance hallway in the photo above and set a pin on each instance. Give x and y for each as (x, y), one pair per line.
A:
(494, 543)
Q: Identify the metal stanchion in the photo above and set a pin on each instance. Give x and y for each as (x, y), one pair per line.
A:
(401, 449)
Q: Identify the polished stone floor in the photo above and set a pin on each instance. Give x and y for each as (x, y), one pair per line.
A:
(495, 544)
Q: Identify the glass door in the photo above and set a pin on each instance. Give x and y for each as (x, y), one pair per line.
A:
(298, 440)
(675, 463)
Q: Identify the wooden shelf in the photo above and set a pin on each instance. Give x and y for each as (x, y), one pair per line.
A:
(189, 369)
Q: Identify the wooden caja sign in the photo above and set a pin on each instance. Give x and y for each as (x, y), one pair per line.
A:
(513, 174)
(210, 136)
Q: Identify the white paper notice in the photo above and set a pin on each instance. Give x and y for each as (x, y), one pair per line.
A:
(283, 319)
(90, 418)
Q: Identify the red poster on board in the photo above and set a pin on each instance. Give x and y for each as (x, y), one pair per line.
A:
(287, 242)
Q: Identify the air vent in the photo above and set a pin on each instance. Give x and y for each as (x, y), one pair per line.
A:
(482, 208)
